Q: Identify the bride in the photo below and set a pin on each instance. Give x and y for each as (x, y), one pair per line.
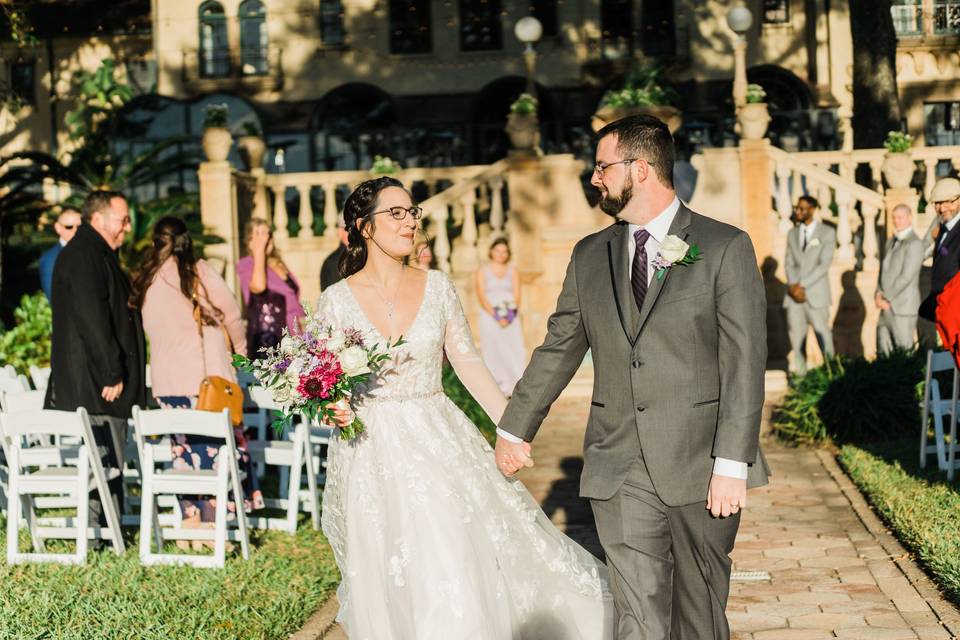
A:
(432, 542)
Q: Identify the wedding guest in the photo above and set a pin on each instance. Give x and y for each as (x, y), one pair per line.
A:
(501, 338)
(66, 227)
(898, 289)
(270, 291)
(97, 343)
(945, 197)
(422, 256)
(176, 293)
(330, 269)
(810, 247)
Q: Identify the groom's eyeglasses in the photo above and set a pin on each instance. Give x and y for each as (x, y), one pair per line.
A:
(398, 213)
(600, 167)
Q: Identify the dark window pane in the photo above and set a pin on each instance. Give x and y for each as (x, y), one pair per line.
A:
(23, 81)
(657, 28)
(907, 17)
(410, 26)
(946, 17)
(616, 26)
(331, 23)
(546, 12)
(214, 47)
(253, 38)
(480, 25)
(776, 11)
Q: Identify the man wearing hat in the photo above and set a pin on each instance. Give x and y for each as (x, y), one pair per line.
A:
(946, 249)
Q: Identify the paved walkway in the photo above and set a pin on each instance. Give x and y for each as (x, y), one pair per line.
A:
(830, 568)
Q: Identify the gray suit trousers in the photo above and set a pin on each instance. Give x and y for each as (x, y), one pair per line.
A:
(895, 331)
(669, 566)
(799, 316)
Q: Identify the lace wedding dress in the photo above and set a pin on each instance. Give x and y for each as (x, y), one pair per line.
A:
(432, 541)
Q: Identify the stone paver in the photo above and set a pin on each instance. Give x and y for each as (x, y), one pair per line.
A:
(831, 576)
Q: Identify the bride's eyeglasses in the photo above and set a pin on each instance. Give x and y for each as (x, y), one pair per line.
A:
(399, 213)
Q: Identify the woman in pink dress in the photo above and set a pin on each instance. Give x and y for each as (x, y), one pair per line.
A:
(501, 338)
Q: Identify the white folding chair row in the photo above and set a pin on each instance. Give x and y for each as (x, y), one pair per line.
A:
(290, 454)
(8, 371)
(40, 377)
(172, 516)
(32, 401)
(219, 483)
(941, 409)
(17, 384)
(41, 469)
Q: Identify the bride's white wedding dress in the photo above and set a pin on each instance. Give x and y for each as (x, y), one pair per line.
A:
(433, 543)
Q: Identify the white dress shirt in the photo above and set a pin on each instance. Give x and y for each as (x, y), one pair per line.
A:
(950, 225)
(658, 229)
(806, 233)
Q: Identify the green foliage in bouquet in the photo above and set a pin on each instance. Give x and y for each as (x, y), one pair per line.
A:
(28, 341)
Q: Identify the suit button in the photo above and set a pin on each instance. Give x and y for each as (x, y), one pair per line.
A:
(636, 364)
(641, 408)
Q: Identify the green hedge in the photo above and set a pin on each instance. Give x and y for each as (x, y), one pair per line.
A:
(28, 341)
(925, 516)
(853, 400)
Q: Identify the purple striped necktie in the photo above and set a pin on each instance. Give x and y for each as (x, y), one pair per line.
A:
(638, 273)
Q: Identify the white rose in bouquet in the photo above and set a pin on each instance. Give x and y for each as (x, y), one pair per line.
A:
(293, 372)
(287, 346)
(673, 249)
(354, 361)
(337, 341)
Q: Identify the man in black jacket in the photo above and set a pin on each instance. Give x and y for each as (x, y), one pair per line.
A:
(98, 345)
(945, 197)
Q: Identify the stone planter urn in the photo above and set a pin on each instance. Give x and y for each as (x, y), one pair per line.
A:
(898, 169)
(754, 118)
(607, 114)
(252, 149)
(216, 143)
(524, 131)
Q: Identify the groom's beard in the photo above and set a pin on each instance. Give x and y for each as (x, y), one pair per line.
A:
(612, 206)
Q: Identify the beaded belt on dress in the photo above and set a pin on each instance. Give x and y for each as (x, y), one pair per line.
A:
(376, 399)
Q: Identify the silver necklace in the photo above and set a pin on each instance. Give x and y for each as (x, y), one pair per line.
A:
(390, 304)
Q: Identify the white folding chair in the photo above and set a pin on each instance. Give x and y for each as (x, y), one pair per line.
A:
(40, 377)
(131, 481)
(218, 483)
(940, 409)
(17, 384)
(290, 454)
(55, 470)
(8, 371)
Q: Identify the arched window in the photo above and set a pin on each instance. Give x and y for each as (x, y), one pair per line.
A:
(254, 41)
(214, 47)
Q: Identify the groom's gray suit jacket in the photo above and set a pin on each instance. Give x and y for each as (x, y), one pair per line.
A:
(680, 380)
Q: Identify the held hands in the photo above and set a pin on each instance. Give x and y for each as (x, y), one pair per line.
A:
(726, 496)
(797, 292)
(512, 456)
(112, 393)
(882, 303)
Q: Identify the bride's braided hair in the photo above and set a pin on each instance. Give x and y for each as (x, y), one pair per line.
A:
(360, 205)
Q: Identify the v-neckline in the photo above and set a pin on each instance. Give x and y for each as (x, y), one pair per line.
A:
(366, 318)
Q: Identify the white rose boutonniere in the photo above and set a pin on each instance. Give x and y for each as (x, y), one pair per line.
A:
(815, 242)
(674, 251)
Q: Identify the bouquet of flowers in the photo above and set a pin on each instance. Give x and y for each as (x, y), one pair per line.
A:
(310, 373)
(505, 311)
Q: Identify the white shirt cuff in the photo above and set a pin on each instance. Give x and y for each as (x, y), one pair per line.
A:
(730, 468)
(509, 437)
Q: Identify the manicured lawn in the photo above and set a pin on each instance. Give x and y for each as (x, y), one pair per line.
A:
(269, 596)
(918, 505)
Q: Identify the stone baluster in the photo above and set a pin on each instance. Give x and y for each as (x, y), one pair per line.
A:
(796, 185)
(331, 216)
(280, 212)
(876, 175)
(441, 243)
(844, 232)
(497, 218)
(870, 244)
(465, 251)
(431, 186)
(930, 164)
(784, 205)
(305, 215)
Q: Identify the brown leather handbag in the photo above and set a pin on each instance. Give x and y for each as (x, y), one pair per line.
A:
(217, 393)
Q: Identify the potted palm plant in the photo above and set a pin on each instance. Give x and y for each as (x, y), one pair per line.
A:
(898, 167)
(251, 145)
(216, 134)
(754, 117)
(642, 92)
(523, 126)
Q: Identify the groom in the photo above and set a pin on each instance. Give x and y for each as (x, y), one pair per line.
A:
(672, 307)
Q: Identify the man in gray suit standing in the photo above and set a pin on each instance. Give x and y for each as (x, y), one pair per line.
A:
(672, 307)
(810, 247)
(898, 290)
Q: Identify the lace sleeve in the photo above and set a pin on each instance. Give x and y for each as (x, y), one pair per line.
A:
(463, 355)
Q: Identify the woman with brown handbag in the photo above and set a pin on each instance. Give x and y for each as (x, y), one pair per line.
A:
(193, 325)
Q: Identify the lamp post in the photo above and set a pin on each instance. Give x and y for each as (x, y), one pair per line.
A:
(528, 31)
(739, 19)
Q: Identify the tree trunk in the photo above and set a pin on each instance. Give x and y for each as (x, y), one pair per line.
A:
(876, 104)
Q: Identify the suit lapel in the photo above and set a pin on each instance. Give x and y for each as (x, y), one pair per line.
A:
(620, 275)
(677, 228)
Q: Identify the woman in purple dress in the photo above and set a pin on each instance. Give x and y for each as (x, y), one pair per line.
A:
(501, 338)
(270, 291)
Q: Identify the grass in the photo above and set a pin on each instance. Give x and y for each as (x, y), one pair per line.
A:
(918, 505)
(269, 596)
(462, 398)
